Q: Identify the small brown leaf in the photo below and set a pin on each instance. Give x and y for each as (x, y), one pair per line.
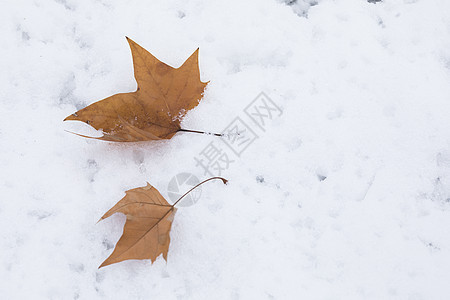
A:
(155, 110)
(146, 233)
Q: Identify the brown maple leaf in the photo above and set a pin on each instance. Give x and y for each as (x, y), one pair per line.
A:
(146, 233)
(154, 111)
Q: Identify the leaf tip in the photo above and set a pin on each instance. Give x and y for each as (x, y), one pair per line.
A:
(107, 262)
(73, 116)
(130, 41)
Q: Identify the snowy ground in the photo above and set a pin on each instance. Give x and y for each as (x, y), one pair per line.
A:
(346, 195)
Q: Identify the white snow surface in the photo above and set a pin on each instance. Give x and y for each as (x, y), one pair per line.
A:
(346, 195)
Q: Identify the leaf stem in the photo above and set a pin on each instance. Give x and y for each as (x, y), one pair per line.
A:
(223, 180)
(202, 132)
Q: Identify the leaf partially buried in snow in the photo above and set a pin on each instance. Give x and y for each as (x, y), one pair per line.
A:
(146, 234)
(154, 111)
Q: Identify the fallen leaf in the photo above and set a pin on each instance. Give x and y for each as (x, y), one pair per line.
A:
(155, 110)
(146, 233)
(147, 228)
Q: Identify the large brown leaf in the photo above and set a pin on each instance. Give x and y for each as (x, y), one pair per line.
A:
(154, 111)
(146, 234)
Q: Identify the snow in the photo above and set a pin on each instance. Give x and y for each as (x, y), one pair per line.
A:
(343, 196)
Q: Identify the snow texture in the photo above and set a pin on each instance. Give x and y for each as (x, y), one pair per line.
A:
(346, 195)
(301, 7)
